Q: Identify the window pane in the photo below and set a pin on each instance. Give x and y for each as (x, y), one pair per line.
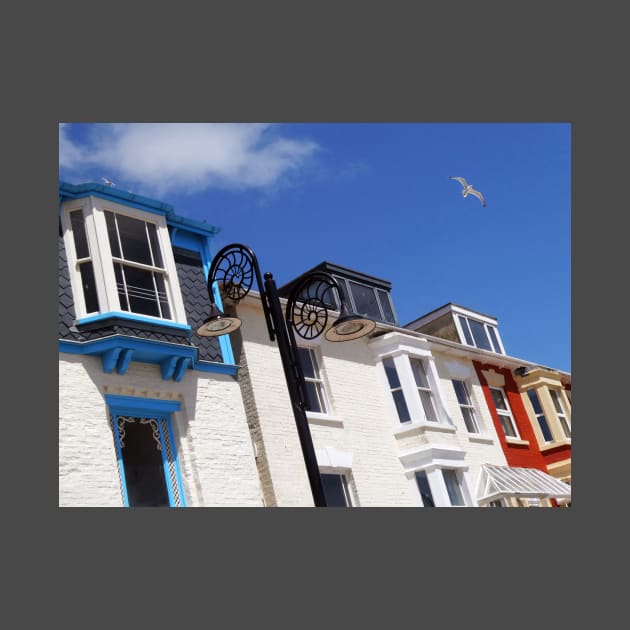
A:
(365, 300)
(419, 373)
(312, 397)
(556, 400)
(390, 371)
(401, 406)
(565, 426)
(460, 392)
(133, 237)
(494, 339)
(544, 427)
(120, 287)
(464, 324)
(508, 429)
(470, 420)
(425, 489)
(155, 248)
(161, 287)
(452, 486)
(533, 397)
(479, 334)
(499, 399)
(334, 490)
(112, 233)
(306, 362)
(78, 234)
(540, 416)
(89, 287)
(386, 306)
(142, 462)
(141, 291)
(429, 407)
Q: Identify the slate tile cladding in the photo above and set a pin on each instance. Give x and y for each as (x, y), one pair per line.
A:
(192, 281)
(196, 303)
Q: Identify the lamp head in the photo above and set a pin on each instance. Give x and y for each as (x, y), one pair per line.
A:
(350, 326)
(218, 324)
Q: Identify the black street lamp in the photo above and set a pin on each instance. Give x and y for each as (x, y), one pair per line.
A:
(234, 268)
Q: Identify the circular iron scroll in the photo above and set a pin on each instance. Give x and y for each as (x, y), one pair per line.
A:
(307, 308)
(234, 271)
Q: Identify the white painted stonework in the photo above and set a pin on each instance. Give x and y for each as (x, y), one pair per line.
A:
(212, 440)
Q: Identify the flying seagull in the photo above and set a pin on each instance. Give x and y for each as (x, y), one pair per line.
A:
(107, 182)
(468, 189)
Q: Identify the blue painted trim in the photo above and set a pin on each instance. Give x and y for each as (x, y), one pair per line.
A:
(167, 475)
(124, 360)
(187, 240)
(167, 355)
(132, 405)
(134, 318)
(160, 410)
(119, 458)
(224, 340)
(109, 359)
(182, 365)
(168, 367)
(78, 191)
(219, 368)
(190, 225)
(99, 346)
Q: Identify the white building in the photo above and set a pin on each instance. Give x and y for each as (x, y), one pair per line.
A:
(149, 414)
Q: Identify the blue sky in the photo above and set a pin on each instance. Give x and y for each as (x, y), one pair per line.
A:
(375, 197)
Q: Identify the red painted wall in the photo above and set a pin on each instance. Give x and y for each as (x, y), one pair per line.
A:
(525, 456)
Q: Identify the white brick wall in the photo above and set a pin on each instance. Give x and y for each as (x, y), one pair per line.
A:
(357, 399)
(213, 444)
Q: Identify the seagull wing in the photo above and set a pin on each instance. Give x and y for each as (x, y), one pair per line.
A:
(477, 194)
(461, 180)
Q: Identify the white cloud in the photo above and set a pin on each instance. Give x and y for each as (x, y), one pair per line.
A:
(185, 157)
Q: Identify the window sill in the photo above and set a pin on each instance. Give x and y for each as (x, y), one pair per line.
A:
(482, 438)
(517, 441)
(556, 444)
(410, 428)
(324, 419)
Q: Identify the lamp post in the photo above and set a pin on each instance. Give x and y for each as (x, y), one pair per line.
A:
(234, 269)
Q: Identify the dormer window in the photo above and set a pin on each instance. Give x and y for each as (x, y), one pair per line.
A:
(363, 294)
(461, 325)
(368, 301)
(479, 334)
(121, 261)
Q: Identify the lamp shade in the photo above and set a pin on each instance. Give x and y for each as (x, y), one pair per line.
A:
(349, 327)
(218, 324)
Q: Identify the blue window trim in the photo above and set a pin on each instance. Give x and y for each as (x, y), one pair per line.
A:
(117, 352)
(132, 317)
(153, 408)
(184, 232)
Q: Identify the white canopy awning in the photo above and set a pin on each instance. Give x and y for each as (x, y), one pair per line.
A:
(497, 482)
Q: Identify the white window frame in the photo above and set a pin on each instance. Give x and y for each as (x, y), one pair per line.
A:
(345, 483)
(410, 390)
(561, 412)
(459, 317)
(93, 209)
(468, 405)
(506, 414)
(318, 381)
(439, 487)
